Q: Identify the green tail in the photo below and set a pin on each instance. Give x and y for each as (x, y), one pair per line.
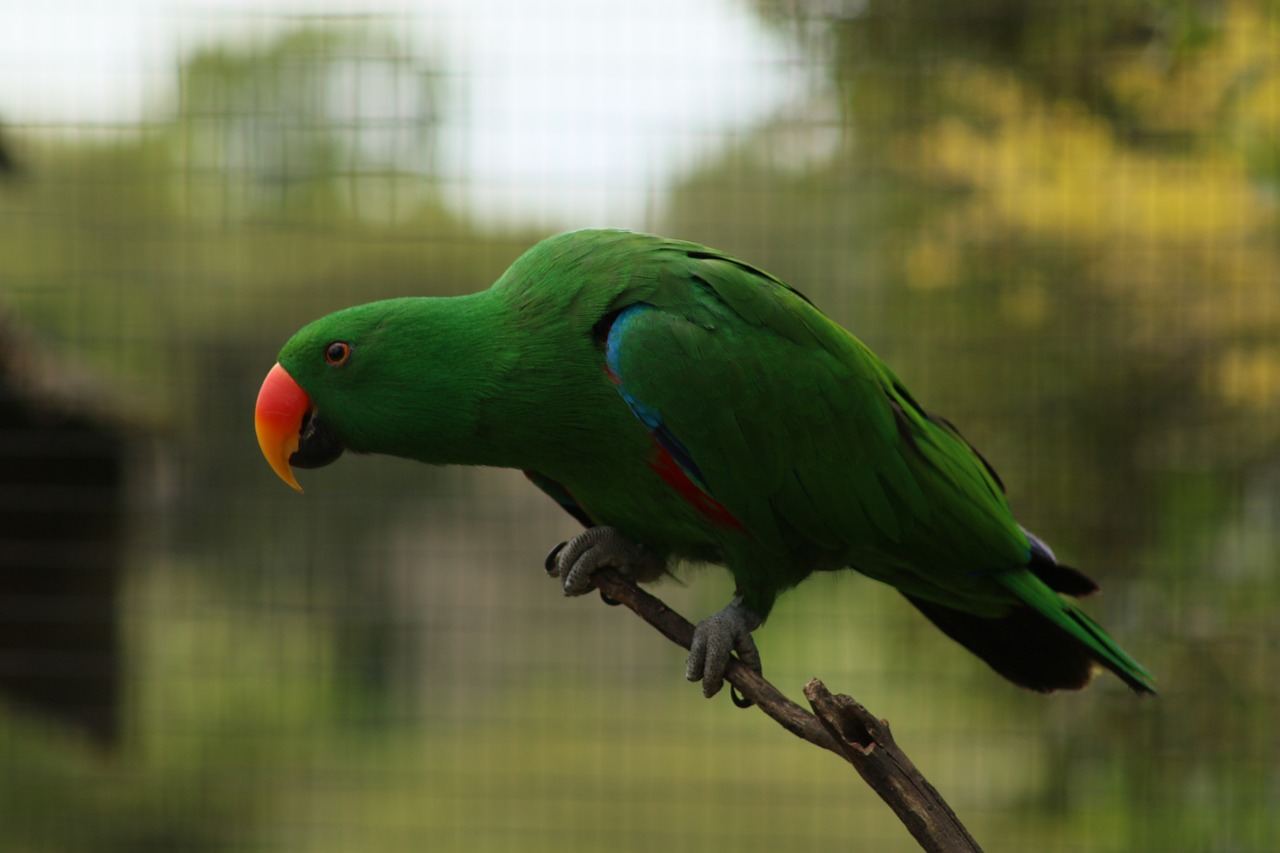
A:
(1045, 645)
(1064, 615)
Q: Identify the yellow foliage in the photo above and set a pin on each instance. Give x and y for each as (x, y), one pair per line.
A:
(1249, 377)
(1051, 168)
(1027, 304)
(930, 264)
(1178, 239)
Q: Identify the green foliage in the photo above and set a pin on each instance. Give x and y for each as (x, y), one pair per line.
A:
(322, 119)
(1060, 232)
(1056, 221)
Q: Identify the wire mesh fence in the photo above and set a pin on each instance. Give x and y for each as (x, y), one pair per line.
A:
(1056, 221)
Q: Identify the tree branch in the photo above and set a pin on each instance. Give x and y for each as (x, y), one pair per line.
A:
(841, 726)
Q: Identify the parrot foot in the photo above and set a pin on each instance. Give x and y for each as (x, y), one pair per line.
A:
(715, 639)
(575, 561)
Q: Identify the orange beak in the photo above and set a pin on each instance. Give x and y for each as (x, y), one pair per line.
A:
(278, 420)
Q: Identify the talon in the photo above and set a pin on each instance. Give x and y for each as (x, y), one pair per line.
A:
(612, 602)
(577, 580)
(717, 640)
(575, 561)
(550, 563)
(738, 699)
(697, 657)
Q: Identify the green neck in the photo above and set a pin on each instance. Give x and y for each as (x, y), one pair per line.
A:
(467, 380)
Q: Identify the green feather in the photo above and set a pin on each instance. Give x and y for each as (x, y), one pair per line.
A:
(797, 429)
(1045, 601)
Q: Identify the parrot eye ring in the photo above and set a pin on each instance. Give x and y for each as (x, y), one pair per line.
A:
(337, 352)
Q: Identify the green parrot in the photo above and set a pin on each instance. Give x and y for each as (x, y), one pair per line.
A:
(685, 405)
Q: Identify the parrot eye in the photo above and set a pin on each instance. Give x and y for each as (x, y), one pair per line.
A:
(337, 352)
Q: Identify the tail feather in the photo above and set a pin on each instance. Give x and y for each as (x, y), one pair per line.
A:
(1097, 642)
(1023, 646)
(1059, 577)
(1046, 644)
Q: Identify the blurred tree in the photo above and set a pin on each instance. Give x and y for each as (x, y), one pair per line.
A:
(1057, 221)
(295, 176)
(294, 179)
(1061, 230)
(8, 166)
(321, 116)
(1088, 186)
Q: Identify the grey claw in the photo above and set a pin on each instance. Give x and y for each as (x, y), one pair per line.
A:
(577, 579)
(575, 561)
(550, 563)
(716, 639)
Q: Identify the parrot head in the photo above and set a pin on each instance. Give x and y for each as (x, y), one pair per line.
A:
(390, 377)
(330, 383)
(291, 418)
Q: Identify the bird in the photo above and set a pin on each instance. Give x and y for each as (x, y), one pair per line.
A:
(685, 405)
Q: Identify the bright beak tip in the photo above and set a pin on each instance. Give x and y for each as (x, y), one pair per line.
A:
(277, 419)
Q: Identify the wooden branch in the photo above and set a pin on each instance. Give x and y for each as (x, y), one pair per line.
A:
(865, 740)
(841, 726)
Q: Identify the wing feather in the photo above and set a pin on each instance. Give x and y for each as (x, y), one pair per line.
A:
(802, 432)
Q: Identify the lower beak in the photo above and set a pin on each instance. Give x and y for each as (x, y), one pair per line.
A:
(282, 405)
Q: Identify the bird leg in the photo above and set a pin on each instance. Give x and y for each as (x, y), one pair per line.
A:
(715, 638)
(575, 561)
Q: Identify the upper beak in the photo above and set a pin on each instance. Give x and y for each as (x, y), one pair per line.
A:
(282, 404)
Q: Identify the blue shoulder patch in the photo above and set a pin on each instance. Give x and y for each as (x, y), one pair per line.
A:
(647, 415)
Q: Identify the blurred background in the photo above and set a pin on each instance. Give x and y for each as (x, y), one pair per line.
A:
(1057, 220)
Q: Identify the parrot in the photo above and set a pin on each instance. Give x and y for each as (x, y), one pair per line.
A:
(686, 406)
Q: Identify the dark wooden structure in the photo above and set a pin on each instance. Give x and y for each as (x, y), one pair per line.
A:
(62, 463)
